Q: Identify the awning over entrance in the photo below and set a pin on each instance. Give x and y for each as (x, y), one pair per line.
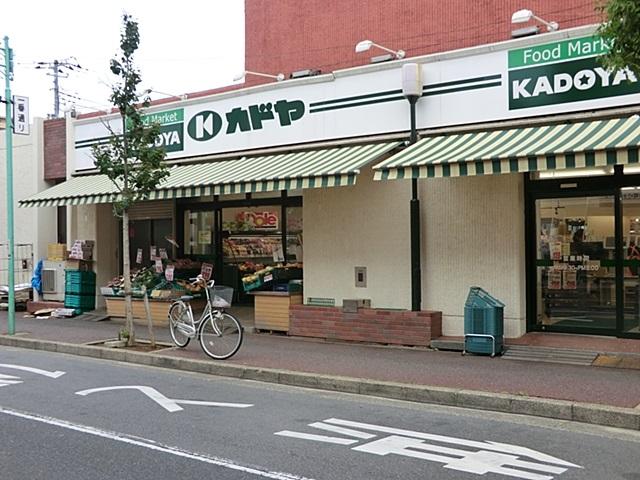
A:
(550, 147)
(288, 171)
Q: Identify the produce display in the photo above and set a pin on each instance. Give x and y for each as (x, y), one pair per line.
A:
(156, 284)
(266, 275)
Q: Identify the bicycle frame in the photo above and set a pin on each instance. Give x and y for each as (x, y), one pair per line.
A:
(209, 312)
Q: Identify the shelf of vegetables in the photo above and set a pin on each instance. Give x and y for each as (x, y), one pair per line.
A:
(160, 291)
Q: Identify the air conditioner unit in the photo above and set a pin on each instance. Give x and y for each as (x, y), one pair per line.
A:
(53, 281)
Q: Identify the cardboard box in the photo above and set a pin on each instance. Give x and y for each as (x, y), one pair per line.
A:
(57, 252)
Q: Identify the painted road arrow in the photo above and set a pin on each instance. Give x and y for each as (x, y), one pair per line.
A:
(37, 371)
(169, 404)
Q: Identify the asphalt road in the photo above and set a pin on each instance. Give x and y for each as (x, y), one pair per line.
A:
(163, 424)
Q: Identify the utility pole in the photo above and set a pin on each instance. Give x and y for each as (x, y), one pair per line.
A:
(8, 73)
(58, 70)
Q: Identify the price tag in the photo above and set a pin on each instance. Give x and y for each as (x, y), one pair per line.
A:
(163, 254)
(139, 256)
(206, 271)
(168, 273)
(159, 267)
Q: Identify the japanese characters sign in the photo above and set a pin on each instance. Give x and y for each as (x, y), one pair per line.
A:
(21, 115)
(522, 78)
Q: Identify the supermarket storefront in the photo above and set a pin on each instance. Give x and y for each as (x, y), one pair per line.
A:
(496, 122)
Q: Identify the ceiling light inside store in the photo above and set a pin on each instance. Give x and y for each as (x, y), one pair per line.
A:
(587, 172)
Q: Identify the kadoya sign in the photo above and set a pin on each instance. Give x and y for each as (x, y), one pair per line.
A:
(510, 80)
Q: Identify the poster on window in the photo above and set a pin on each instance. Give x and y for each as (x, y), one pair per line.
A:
(139, 256)
(569, 280)
(206, 271)
(159, 267)
(163, 254)
(555, 280)
(556, 251)
(168, 273)
(152, 252)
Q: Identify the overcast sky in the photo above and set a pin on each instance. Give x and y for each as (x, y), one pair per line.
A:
(185, 46)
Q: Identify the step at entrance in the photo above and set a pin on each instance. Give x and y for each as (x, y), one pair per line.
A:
(549, 355)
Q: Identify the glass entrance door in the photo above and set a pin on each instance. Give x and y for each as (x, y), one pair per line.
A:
(631, 242)
(575, 264)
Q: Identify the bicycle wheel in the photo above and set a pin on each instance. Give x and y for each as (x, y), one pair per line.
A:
(179, 318)
(220, 336)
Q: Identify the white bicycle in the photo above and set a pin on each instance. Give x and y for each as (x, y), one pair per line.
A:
(219, 333)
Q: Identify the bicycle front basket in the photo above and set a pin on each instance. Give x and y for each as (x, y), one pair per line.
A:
(221, 296)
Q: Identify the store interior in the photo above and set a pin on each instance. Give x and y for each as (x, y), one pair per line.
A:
(576, 262)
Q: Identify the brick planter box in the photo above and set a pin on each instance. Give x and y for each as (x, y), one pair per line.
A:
(396, 327)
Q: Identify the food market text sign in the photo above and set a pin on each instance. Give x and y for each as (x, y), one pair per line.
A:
(510, 80)
(564, 72)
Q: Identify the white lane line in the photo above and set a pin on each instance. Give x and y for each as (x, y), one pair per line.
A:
(46, 373)
(213, 404)
(343, 431)
(317, 438)
(151, 445)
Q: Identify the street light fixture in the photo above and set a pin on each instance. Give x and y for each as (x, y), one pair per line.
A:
(412, 90)
(523, 16)
(279, 77)
(365, 45)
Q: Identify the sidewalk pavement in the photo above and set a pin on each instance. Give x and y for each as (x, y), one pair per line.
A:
(591, 394)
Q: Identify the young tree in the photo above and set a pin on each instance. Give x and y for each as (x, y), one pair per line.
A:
(620, 29)
(130, 159)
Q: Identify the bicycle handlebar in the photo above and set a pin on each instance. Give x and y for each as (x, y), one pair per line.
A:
(200, 279)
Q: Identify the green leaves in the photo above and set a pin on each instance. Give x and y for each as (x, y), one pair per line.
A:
(130, 159)
(621, 29)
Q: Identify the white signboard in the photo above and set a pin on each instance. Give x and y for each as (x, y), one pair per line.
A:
(508, 82)
(21, 115)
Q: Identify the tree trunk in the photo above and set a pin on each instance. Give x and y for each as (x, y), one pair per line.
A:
(126, 272)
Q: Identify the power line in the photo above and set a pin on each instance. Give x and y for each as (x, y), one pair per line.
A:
(59, 69)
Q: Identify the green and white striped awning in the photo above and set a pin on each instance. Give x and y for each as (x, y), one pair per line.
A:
(287, 171)
(552, 147)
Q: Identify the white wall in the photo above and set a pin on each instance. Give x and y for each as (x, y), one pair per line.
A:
(35, 226)
(362, 225)
(473, 235)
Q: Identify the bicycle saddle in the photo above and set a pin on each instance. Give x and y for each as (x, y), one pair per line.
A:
(186, 298)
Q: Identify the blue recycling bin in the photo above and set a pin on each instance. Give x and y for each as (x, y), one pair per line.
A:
(483, 323)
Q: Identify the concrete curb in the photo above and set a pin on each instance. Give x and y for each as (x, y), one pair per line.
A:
(627, 418)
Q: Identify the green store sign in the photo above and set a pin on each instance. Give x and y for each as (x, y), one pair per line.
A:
(563, 72)
(171, 123)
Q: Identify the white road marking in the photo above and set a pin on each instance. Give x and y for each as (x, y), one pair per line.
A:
(46, 373)
(213, 404)
(317, 438)
(169, 404)
(152, 445)
(489, 457)
(342, 430)
(9, 380)
(495, 446)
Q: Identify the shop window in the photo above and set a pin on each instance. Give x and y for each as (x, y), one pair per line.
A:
(575, 263)
(252, 236)
(631, 245)
(145, 235)
(198, 232)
